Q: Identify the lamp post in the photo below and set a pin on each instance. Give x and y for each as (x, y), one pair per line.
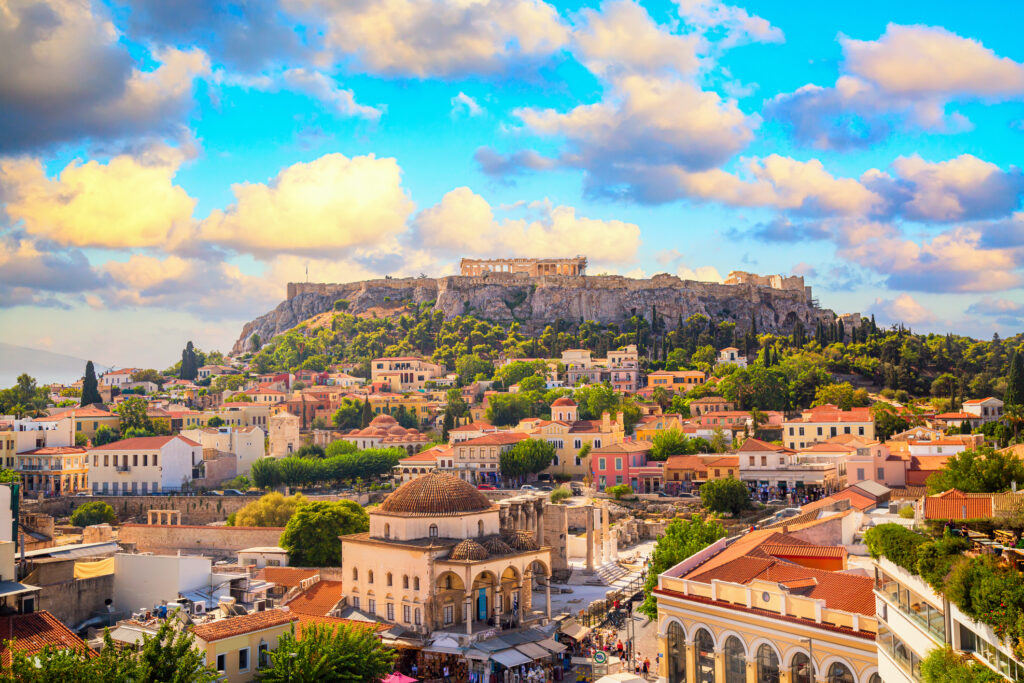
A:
(810, 650)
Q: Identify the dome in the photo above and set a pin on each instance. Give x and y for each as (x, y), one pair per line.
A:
(437, 493)
(522, 540)
(564, 401)
(496, 546)
(397, 430)
(383, 421)
(468, 550)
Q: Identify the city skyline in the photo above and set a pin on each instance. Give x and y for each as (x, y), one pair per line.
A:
(164, 175)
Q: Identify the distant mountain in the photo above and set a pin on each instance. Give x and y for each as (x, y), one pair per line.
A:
(45, 366)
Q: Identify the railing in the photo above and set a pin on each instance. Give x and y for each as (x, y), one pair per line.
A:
(601, 614)
(123, 468)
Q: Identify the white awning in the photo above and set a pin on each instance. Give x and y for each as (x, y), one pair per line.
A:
(533, 651)
(575, 630)
(552, 645)
(512, 657)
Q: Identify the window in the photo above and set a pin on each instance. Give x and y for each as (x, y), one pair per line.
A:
(846, 430)
(480, 526)
(881, 474)
(263, 655)
(839, 673)
(145, 459)
(791, 431)
(782, 460)
(802, 431)
(415, 583)
(555, 461)
(391, 611)
(416, 616)
(405, 583)
(764, 461)
(355, 601)
(387, 531)
(751, 461)
(389, 578)
(243, 659)
(406, 614)
(449, 614)
(135, 459)
(578, 461)
(601, 463)
(618, 463)
(597, 443)
(95, 461)
(577, 444)
(860, 474)
(106, 460)
(155, 464)
(705, 650)
(371, 604)
(860, 431)
(355, 573)
(222, 662)
(369, 576)
(433, 531)
(735, 661)
(800, 669)
(273, 563)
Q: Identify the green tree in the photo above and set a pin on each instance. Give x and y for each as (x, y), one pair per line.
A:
(896, 543)
(95, 512)
(189, 363)
(272, 509)
(132, 412)
(560, 494)
(529, 456)
(508, 409)
(90, 390)
(1015, 381)
(148, 375)
(311, 536)
(367, 415)
(103, 436)
(669, 442)
(346, 652)
(471, 365)
(943, 665)
(888, 420)
(455, 403)
(842, 395)
(171, 656)
(348, 416)
(682, 539)
(340, 447)
(265, 473)
(983, 470)
(215, 421)
(619, 490)
(725, 495)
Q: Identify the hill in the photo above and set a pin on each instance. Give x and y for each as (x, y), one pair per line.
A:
(45, 366)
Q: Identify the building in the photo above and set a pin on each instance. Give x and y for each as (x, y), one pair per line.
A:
(624, 368)
(531, 267)
(730, 355)
(405, 373)
(283, 435)
(53, 470)
(87, 419)
(875, 462)
(774, 471)
(472, 430)
(118, 378)
(478, 460)
(650, 425)
(148, 464)
(422, 463)
(759, 607)
(385, 432)
(263, 556)
(238, 647)
(710, 404)
(676, 380)
(246, 443)
(985, 409)
(210, 371)
(626, 462)
(824, 422)
(435, 559)
(568, 434)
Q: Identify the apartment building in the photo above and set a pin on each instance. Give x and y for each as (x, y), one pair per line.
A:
(478, 460)
(824, 422)
(247, 443)
(148, 464)
(676, 380)
(404, 373)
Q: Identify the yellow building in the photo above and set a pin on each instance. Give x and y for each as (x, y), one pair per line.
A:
(769, 607)
(650, 425)
(8, 450)
(238, 647)
(568, 434)
(86, 420)
(53, 470)
(422, 407)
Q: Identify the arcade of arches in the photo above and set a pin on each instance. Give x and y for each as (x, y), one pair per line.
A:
(702, 657)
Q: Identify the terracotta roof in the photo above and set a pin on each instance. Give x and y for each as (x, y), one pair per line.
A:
(724, 461)
(954, 504)
(424, 456)
(55, 450)
(685, 462)
(752, 445)
(709, 399)
(857, 500)
(307, 620)
(955, 416)
(286, 576)
(495, 439)
(625, 447)
(236, 626)
(468, 551)
(796, 550)
(435, 494)
(32, 632)
(563, 401)
(319, 599)
(976, 401)
(88, 411)
(827, 448)
(142, 443)
(472, 427)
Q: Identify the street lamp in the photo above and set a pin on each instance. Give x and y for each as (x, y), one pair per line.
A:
(810, 651)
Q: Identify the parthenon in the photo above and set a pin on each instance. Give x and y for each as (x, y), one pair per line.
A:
(533, 267)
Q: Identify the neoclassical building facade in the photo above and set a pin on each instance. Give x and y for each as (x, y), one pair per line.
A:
(761, 609)
(436, 559)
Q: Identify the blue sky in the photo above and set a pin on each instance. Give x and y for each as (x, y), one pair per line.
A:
(166, 168)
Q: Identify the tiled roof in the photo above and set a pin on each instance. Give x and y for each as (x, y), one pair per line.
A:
(685, 462)
(724, 461)
(953, 504)
(495, 439)
(142, 443)
(55, 450)
(289, 577)
(563, 401)
(319, 599)
(797, 550)
(472, 427)
(625, 447)
(435, 494)
(857, 500)
(307, 620)
(88, 411)
(236, 626)
(977, 401)
(33, 632)
(751, 445)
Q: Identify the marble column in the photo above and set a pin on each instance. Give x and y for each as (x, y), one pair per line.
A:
(547, 596)
(469, 616)
(590, 539)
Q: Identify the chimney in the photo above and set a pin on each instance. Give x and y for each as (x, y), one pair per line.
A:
(620, 419)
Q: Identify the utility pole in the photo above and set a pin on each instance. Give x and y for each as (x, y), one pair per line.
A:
(810, 650)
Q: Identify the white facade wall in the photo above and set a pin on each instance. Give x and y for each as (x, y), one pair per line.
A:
(173, 469)
(459, 526)
(247, 445)
(144, 581)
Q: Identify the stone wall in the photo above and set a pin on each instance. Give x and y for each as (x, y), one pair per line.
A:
(69, 599)
(219, 542)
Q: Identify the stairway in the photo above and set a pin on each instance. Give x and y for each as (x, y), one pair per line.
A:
(605, 575)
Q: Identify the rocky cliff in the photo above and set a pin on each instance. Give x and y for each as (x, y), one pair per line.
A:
(538, 301)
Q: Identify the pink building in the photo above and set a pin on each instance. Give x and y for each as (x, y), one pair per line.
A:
(874, 462)
(626, 463)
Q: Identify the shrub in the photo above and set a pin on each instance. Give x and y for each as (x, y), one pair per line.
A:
(936, 558)
(560, 494)
(96, 512)
(619, 490)
(725, 495)
(943, 665)
(896, 543)
(907, 512)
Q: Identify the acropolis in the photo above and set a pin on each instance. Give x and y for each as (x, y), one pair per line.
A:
(533, 267)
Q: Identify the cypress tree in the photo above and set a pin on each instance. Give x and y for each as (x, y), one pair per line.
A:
(367, 415)
(90, 391)
(1015, 382)
(189, 366)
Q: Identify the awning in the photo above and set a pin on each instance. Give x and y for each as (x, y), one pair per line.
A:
(533, 651)
(478, 655)
(15, 588)
(444, 650)
(508, 658)
(575, 630)
(552, 645)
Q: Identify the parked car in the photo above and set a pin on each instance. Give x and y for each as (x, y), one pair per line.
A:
(485, 487)
(83, 493)
(527, 487)
(662, 494)
(232, 492)
(687, 494)
(546, 488)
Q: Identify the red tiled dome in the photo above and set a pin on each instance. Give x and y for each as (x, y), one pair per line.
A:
(522, 540)
(564, 401)
(496, 546)
(434, 494)
(468, 550)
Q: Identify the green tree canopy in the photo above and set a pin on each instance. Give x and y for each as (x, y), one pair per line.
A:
(943, 665)
(842, 395)
(132, 412)
(346, 652)
(471, 365)
(529, 456)
(682, 539)
(619, 490)
(94, 512)
(669, 442)
(272, 509)
(725, 495)
(312, 534)
(983, 470)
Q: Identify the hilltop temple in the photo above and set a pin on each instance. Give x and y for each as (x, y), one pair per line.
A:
(534, 267)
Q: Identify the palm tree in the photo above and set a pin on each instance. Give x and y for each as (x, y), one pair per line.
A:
(1014, 414)
(661, 397)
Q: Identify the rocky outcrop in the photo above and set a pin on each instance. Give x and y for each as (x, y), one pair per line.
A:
(539, 301)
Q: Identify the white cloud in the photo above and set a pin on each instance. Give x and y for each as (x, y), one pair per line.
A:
(464, 222)
(463, 103)
(904, 308)
(701, 273)
(321, 86)
(326, 206)
(438, 38)
(735, 23)
(131, 201)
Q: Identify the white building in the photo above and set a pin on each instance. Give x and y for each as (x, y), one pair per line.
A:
(263, 556)
(986, 409)
(247, 443)
(118, 378)
(142, 465)
(29, 434)
(284, 434)
(730, 355)
(144, 581)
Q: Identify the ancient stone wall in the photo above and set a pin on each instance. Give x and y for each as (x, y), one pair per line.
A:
(213, 541)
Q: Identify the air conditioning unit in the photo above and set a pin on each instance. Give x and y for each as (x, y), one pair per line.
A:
(199, 607)
(226, 600)
(261, 605)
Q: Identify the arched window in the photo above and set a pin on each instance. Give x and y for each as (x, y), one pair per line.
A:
(355, 573)
(676, 653)
(705, 647)
(369, 576)
(839, 673)
(800, 669)
(448, 583)
(388, 578)
(417, 617)
(405, 581)
(433, 531)
(735, 661)
(387, 531)
(875, 678)
(415, 583)
(767, 665)
(480, 528)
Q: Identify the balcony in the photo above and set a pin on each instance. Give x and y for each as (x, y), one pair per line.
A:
(123, 468)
